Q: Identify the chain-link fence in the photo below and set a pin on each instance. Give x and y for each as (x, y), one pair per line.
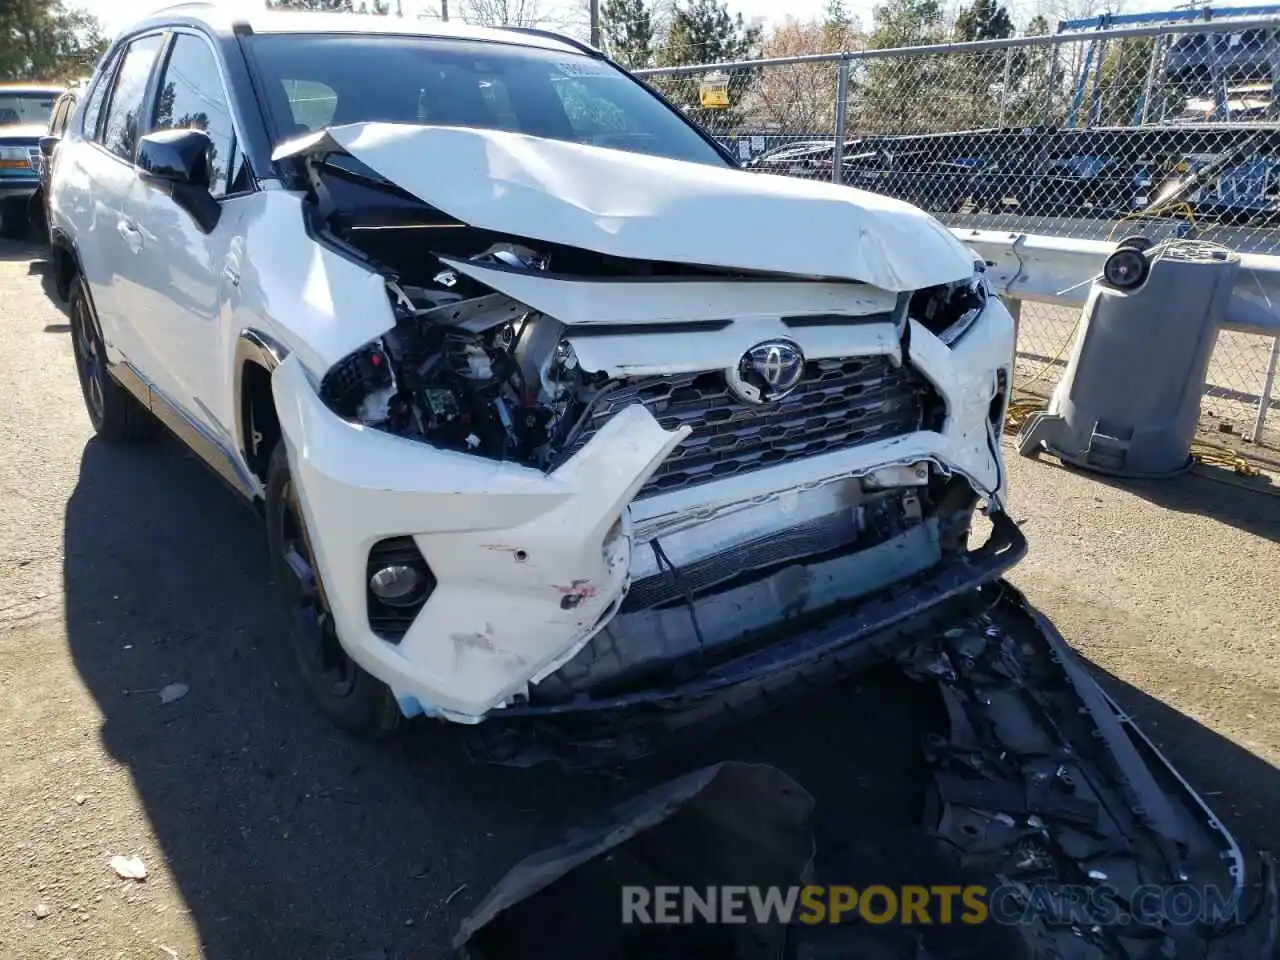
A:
(1163, 130)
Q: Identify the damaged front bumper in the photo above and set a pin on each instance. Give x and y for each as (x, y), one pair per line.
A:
(692, 696)
(530, 570)
(530, 567)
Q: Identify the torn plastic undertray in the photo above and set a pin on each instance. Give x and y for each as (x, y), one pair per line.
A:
(1045, 784)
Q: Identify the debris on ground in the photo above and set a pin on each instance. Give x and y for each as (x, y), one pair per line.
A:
(727, 825)
(168, 693)
(129, 868)
(1046, 803)
(42, 910)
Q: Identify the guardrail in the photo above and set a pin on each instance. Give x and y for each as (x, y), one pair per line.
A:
(1059, 271)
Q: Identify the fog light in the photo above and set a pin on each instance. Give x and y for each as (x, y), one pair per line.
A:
(398, 585)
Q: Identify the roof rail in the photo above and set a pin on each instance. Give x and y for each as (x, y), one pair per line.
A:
(552, 35)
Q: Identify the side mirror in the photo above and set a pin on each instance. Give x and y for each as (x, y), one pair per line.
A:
(47, 144)
(181, 163)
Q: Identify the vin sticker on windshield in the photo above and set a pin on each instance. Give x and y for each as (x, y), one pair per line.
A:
(582, 68)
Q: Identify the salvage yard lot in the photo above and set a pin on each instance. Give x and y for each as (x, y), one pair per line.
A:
(267, 834)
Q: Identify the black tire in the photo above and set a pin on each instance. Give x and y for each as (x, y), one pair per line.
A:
(1139, 243)
(348, 695)
(114, 413)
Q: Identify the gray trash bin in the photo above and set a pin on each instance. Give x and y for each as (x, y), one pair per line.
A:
(1129, 401)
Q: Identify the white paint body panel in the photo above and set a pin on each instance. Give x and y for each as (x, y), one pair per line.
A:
(496, 617)
(652, 208)
(754, 309)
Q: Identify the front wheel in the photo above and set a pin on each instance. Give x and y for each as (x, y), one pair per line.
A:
(116, 416)
(351, 697)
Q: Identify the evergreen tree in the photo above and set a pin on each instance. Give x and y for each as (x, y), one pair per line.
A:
(46, 40)
(627, 30)
(703, 31)
(984, 20)
(905, 94)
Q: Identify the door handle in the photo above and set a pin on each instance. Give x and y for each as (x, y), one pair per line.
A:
(130, 232)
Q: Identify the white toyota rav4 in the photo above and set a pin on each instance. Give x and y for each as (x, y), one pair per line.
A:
(549, 407)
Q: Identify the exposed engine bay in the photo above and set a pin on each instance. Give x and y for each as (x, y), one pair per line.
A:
(477, 374)
(472, 370)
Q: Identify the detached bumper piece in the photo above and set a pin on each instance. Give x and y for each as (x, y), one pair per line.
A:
(1099, 849)
(732, 683)
(1043, 795)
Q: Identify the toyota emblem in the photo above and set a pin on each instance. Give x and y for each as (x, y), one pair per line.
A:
(767, 372)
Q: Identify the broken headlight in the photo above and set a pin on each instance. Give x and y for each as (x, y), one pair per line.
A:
(949, 310)
(509, 392)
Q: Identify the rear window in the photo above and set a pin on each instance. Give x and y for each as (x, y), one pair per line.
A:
(22, 107)
(314, 81)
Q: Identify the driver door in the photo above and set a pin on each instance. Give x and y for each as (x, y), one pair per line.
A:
(195, 275)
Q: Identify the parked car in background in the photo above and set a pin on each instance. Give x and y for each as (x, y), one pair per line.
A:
(25, 110)
(63, 109)
(812, 159)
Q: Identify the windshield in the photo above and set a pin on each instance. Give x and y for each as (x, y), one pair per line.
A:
(315, 81)
(26, 106)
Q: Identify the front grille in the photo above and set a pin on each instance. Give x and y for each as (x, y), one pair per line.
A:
(840, 403)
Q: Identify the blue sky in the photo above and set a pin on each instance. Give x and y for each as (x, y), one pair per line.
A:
(116, 14)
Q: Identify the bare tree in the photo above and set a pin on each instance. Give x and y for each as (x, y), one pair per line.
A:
(507, 13)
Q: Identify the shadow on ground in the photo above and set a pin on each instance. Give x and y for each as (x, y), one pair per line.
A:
(1240, 788)
(289, 839)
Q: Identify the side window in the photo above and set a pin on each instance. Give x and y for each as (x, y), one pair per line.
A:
(64, 117)
(93, 109)
(124, 123)
(190, 96)
(57, 118)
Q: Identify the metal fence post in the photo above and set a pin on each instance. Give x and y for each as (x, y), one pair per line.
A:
(842, 110)
(1264, 402)
(1095, 108)
(1014, 307)
(1145, 107)
(1004, 85)
(1055, 50)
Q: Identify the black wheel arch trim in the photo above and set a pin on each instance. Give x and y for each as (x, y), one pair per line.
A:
(253, 347)
(60, 242)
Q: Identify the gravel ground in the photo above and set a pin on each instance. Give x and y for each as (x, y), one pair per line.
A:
(268, 834)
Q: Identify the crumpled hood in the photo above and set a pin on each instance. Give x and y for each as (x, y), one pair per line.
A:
(631, 205)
